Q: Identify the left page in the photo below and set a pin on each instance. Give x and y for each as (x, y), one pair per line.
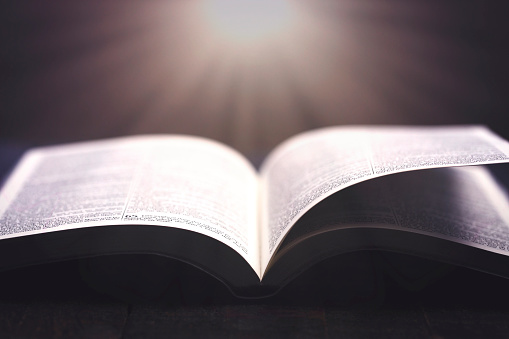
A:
(175, 181)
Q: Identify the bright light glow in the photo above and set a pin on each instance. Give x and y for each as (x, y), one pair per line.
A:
(248, 21)
(253, 72)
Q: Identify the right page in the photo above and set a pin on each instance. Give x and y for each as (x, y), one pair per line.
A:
(310, 167)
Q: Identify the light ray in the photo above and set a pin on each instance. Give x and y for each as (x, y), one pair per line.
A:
(247, 72)
(246, 22)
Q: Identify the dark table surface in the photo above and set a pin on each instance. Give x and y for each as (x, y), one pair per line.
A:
(54, 301)
(357, 295)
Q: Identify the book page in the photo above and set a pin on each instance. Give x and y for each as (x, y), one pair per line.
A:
(462, 204)
(310, 167)
(175, 181)
(421, 213)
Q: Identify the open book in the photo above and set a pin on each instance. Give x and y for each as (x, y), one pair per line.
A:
(320, 193)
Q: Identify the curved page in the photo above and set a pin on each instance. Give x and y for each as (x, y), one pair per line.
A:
(458, 215)
(175, 181)
(310, 167)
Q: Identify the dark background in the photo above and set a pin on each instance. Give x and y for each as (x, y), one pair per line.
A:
(84, 70)
(80, 70)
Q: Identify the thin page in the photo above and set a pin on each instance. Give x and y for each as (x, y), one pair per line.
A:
(461, 204)
(174, 181)
(310, 167)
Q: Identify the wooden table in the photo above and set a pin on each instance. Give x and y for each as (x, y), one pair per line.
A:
(53, 301)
